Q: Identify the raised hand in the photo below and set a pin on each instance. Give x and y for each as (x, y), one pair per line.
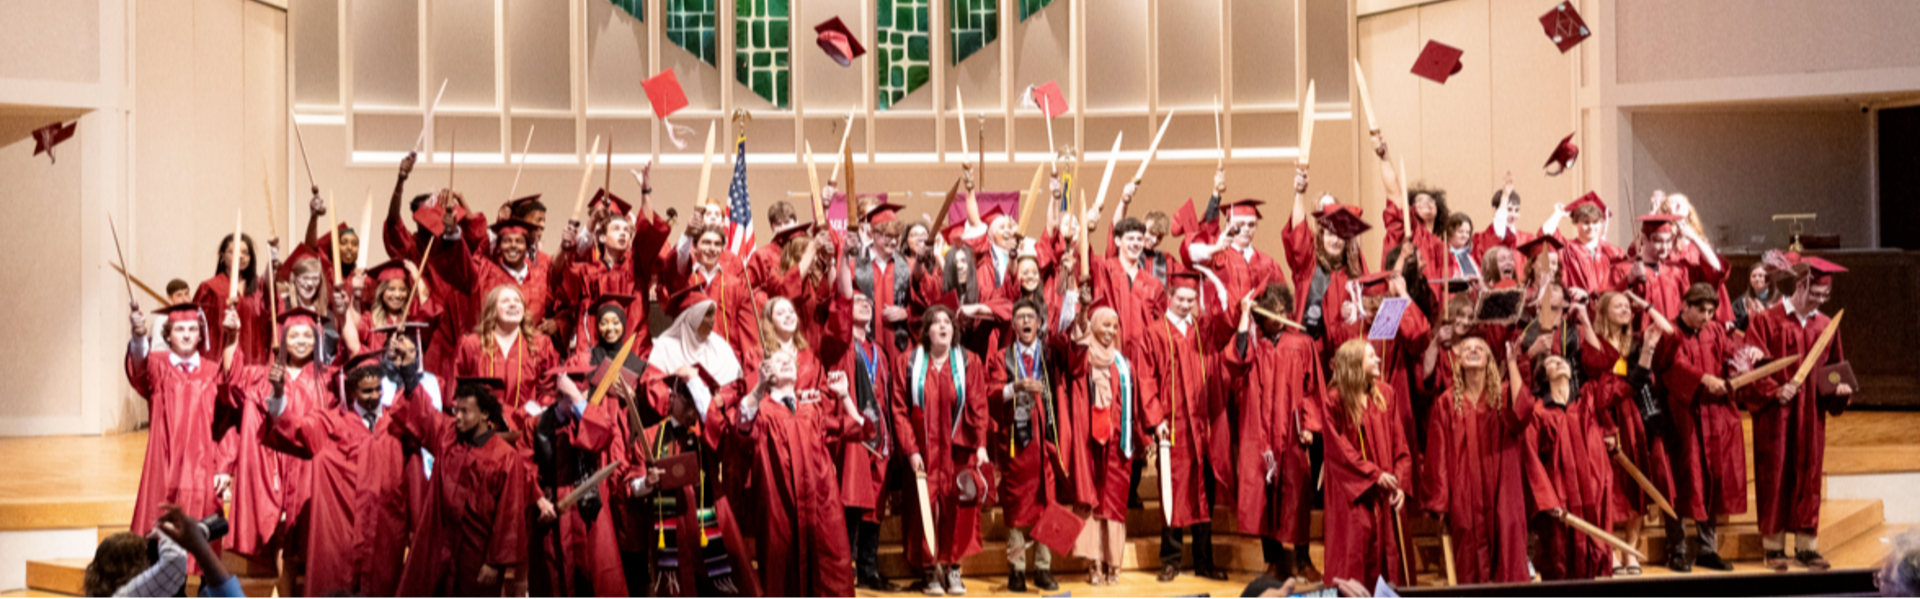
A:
(406, 165)
(139, 320)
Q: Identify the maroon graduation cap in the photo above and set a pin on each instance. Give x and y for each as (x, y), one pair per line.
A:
(430, 211)
(1564, 155)
(786, 233)
(1058, 528)
(1048, 97)
(45, 138)
(1343, 220)
(1541, 244)
(1438, 62)
(1565, 27)
(664, 93)
(1590, 199)
(838, 41)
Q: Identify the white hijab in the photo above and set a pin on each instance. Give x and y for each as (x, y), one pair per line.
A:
(681, 346)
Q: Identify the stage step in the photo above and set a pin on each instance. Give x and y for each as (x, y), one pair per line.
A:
(1841, 520)
(1234, 553)
(67, 577)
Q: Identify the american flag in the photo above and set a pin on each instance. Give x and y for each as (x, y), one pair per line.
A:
(739, 208)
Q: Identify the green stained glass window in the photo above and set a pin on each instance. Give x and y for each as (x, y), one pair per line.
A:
(1029, 7)
(976, 23)
(760, 30)
(637, 8)
(904, 50)
(690, 26)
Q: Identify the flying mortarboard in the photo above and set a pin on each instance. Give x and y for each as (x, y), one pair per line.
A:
(45, 138)
(838, 41)
(664, 94)
(1565, 27)
(1564, 155)
(1438, 62)
(1047, 97)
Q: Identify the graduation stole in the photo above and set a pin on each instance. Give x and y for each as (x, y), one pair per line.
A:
(1126, 402)
(1046, 400)
(865, 379)
(957, 364)
(514, 359)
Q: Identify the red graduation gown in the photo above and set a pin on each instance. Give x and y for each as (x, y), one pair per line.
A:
(1183, 362)
(1361, 542)
(803, 543)
(1790, 441)
(1434, 258)
(1242, 275)
(1102, 472)
(447, 282)
(946, 444)
(524, 369)
(182, 456)
(1487, 238)
(1568, 468)
(1662, 288)
(1618, 413)
(1277, 396)
(268, 485)
(256, 329)
(1302, 248)
(584, 276)
(1475, 454)
(585, 550)
(1028, 474)
(1710, 458)
(360, 510)
(1589, 269)
(479, 500)
(1688, 255)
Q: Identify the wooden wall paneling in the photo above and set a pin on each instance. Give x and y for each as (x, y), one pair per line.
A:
(1458, 154)
(1531, 96)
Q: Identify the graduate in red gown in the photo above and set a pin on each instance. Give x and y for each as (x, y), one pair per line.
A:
(1586, 262)
(272, 490)
(1367, 464)
(184, 466)
(1691, 250)
(1323, 260)
(360, 478)
(1181, 346)
(510, 261)
(388, 306)
(617, 251)
(211, 296)
(994, 242)
(506, 347)
(1789, 420)
(786, 429)
(1241, 267)
(737, 315)
(479, 494)
(1028, 415)
(1504, 229)
(940, 422)
(693, 545)
(1476, 442)
(456, 296)
(1651, 276)
(1567, 473)
(576, 550)
(1117, 400)
(864, 464)
(763, 265)
(1429, 214)
(883, 274)
(1616, 372)
(1276, 414)
(1709, 456)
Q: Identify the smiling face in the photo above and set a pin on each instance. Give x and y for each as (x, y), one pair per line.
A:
(1656, 247)
(300, 341)
(610, 327)
(349, 248)
(1243, 232)
(781, 370)
(1106, 327)
(393, 296)
(513, 249)
(862, 310)
(1589, 230)
(508, 309)
(307, 280)
(1460, 235)
(1697, 315)
(1757, 278)
(1332, 244)
(1424, 207)
(1029, 271)
(917, 237)
(1373, 362)
(1474, 353)
(1001, 230)
(785, 319)
(246, 256)
(1558, 369)
(1503, 261)
(366, 393)
(1619, 311)
(1132, 244)
(1183, 300)
(712, 241)
(713, 215)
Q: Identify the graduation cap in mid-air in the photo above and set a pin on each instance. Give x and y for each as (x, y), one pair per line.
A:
(1563, 155)
(45, 138)
(1565, 27)
(838, 41)
(1047, 97)
(1438, 62)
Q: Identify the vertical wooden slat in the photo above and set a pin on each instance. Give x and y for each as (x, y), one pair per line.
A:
(940, 63)
(344, 33)
(1153, 65)
(1226, 79)
(501, 79)
(425, 90)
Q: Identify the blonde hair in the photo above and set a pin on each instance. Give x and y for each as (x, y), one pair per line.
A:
(770, 341)
(1490, 388)
(1617, 334)
(1693, 211)
(490, 311)
(322, 295)
(1358, 388)
(380, 313)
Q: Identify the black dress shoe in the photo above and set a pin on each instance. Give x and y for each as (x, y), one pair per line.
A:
(872, 580)
(1680, 556)
(1712, 561)
(1043, 580)
(1812, 560)
(1017, 582)
(1169, 572)
(1210, 572)
(1775, 560)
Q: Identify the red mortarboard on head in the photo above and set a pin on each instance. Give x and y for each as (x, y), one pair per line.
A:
(363, 359)
(992, 214)
(1541, 244)
(1565, 27)
(618, 299)
(782, 234)
(1375, 283)
(177, 311)
(664, 93)
(1187, 280)
(1564, 155)
(302, 252)
(618, 204)
(521, 203)
(1591, 199)
(685, 300)
(429, 214)
(839, 42)
(1438, 62)
(1655, 223)
(1247, 208)
(882, 213)
(511, 225)
(1047, 97)
(294, 316)
(1822, 271)
(1343, 220)
(45, 138)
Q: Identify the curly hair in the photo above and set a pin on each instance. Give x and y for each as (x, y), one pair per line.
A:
(116, 561)
(1489, 391)
(1440, 213)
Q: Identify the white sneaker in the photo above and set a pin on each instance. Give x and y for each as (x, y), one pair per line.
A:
(954, 585)
(933, 588)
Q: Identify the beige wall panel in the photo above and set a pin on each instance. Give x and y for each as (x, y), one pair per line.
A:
(219, 95)
(536, 57)
(1326, 32)
(1456, 151)
(616, 59)
(1388, 44)
(1761, 37)
(1263, 50)
(461, 49)
(830, 87)
(1116, 59)
(1190, 60)
(52, 41)
(1041, 53)
(41, 203)
(316, 51)
(1532, 100)
(264, 146)
(1735, 168)
(386, 47)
